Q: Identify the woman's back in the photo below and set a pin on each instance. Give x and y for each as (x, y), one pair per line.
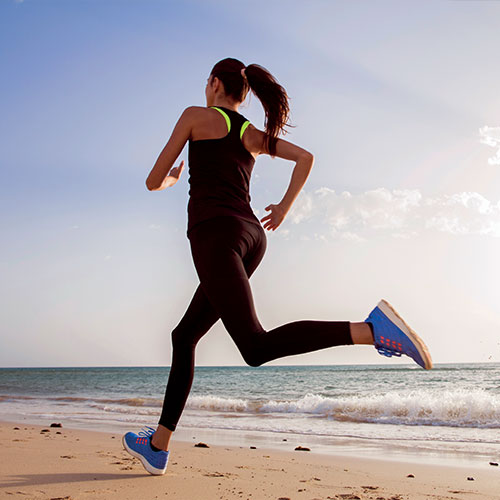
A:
(219, 173)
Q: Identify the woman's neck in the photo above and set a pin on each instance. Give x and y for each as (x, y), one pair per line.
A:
(227, 105)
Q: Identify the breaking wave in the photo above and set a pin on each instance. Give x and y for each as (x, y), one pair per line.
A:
(457, 408)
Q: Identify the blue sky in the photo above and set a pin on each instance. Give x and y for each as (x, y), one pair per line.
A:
(398, 101)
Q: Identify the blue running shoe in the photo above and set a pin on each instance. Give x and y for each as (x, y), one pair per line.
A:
(138, 445)
(394, 337)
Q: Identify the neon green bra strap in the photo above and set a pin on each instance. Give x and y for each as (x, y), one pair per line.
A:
(228, 121)
(243, 128)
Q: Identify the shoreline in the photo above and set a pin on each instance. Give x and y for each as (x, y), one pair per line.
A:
(80, 463)
(340, 446)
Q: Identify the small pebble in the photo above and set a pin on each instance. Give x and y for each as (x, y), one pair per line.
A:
(253, 447)
(470, 479)
(494, 463)
(202, 445)
(55, 425)
(410, 475)
(302, 448)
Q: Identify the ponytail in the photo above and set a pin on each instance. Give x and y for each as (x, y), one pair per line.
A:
(271, 94)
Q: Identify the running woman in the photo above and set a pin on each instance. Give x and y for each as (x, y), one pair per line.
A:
(228, 242)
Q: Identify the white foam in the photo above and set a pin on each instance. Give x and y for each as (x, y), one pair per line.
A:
(457, 408)
(475, 408)
(218, 403)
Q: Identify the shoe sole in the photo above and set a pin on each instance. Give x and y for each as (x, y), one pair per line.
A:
(393, 316)
(145, 463)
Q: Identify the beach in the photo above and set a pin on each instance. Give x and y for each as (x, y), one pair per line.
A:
(450, 414)
(43, 462)
(369, 436)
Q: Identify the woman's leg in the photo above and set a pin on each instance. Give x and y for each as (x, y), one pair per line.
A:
(221, 247)
(196, 322)
(199, 317)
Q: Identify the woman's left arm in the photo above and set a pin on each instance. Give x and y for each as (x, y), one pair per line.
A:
(163, 175)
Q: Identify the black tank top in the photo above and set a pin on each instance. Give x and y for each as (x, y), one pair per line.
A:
(219, 174)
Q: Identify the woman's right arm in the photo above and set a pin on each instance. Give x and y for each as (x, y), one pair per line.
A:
(304, 161)
(163, 174)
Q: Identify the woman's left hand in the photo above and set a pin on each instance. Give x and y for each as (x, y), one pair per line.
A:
(275, 218)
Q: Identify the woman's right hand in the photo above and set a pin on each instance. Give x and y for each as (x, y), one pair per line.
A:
(176, 171)
(173, 176)
(275, 218)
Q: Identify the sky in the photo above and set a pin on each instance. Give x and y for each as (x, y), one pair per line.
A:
(398, 102)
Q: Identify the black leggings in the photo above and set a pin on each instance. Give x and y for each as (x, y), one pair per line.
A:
(226, 251)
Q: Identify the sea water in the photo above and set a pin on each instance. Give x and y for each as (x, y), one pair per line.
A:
(451, 410)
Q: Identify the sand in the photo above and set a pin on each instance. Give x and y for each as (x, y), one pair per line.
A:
(72, 463)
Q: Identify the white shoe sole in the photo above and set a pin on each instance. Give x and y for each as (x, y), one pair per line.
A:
(391, 313)
(145, 463)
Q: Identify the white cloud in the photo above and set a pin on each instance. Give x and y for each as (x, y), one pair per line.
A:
(491, 137)
(401, 213)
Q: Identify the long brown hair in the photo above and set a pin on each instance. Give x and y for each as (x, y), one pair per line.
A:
(271, 94)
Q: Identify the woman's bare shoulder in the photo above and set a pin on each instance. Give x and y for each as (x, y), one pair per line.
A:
(253, 140)
(196, 117)
(195, 110)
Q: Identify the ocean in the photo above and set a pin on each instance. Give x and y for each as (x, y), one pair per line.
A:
(451, 411)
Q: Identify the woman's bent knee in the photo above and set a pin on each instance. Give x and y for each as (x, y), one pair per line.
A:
(252, 354)
(253, 360)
